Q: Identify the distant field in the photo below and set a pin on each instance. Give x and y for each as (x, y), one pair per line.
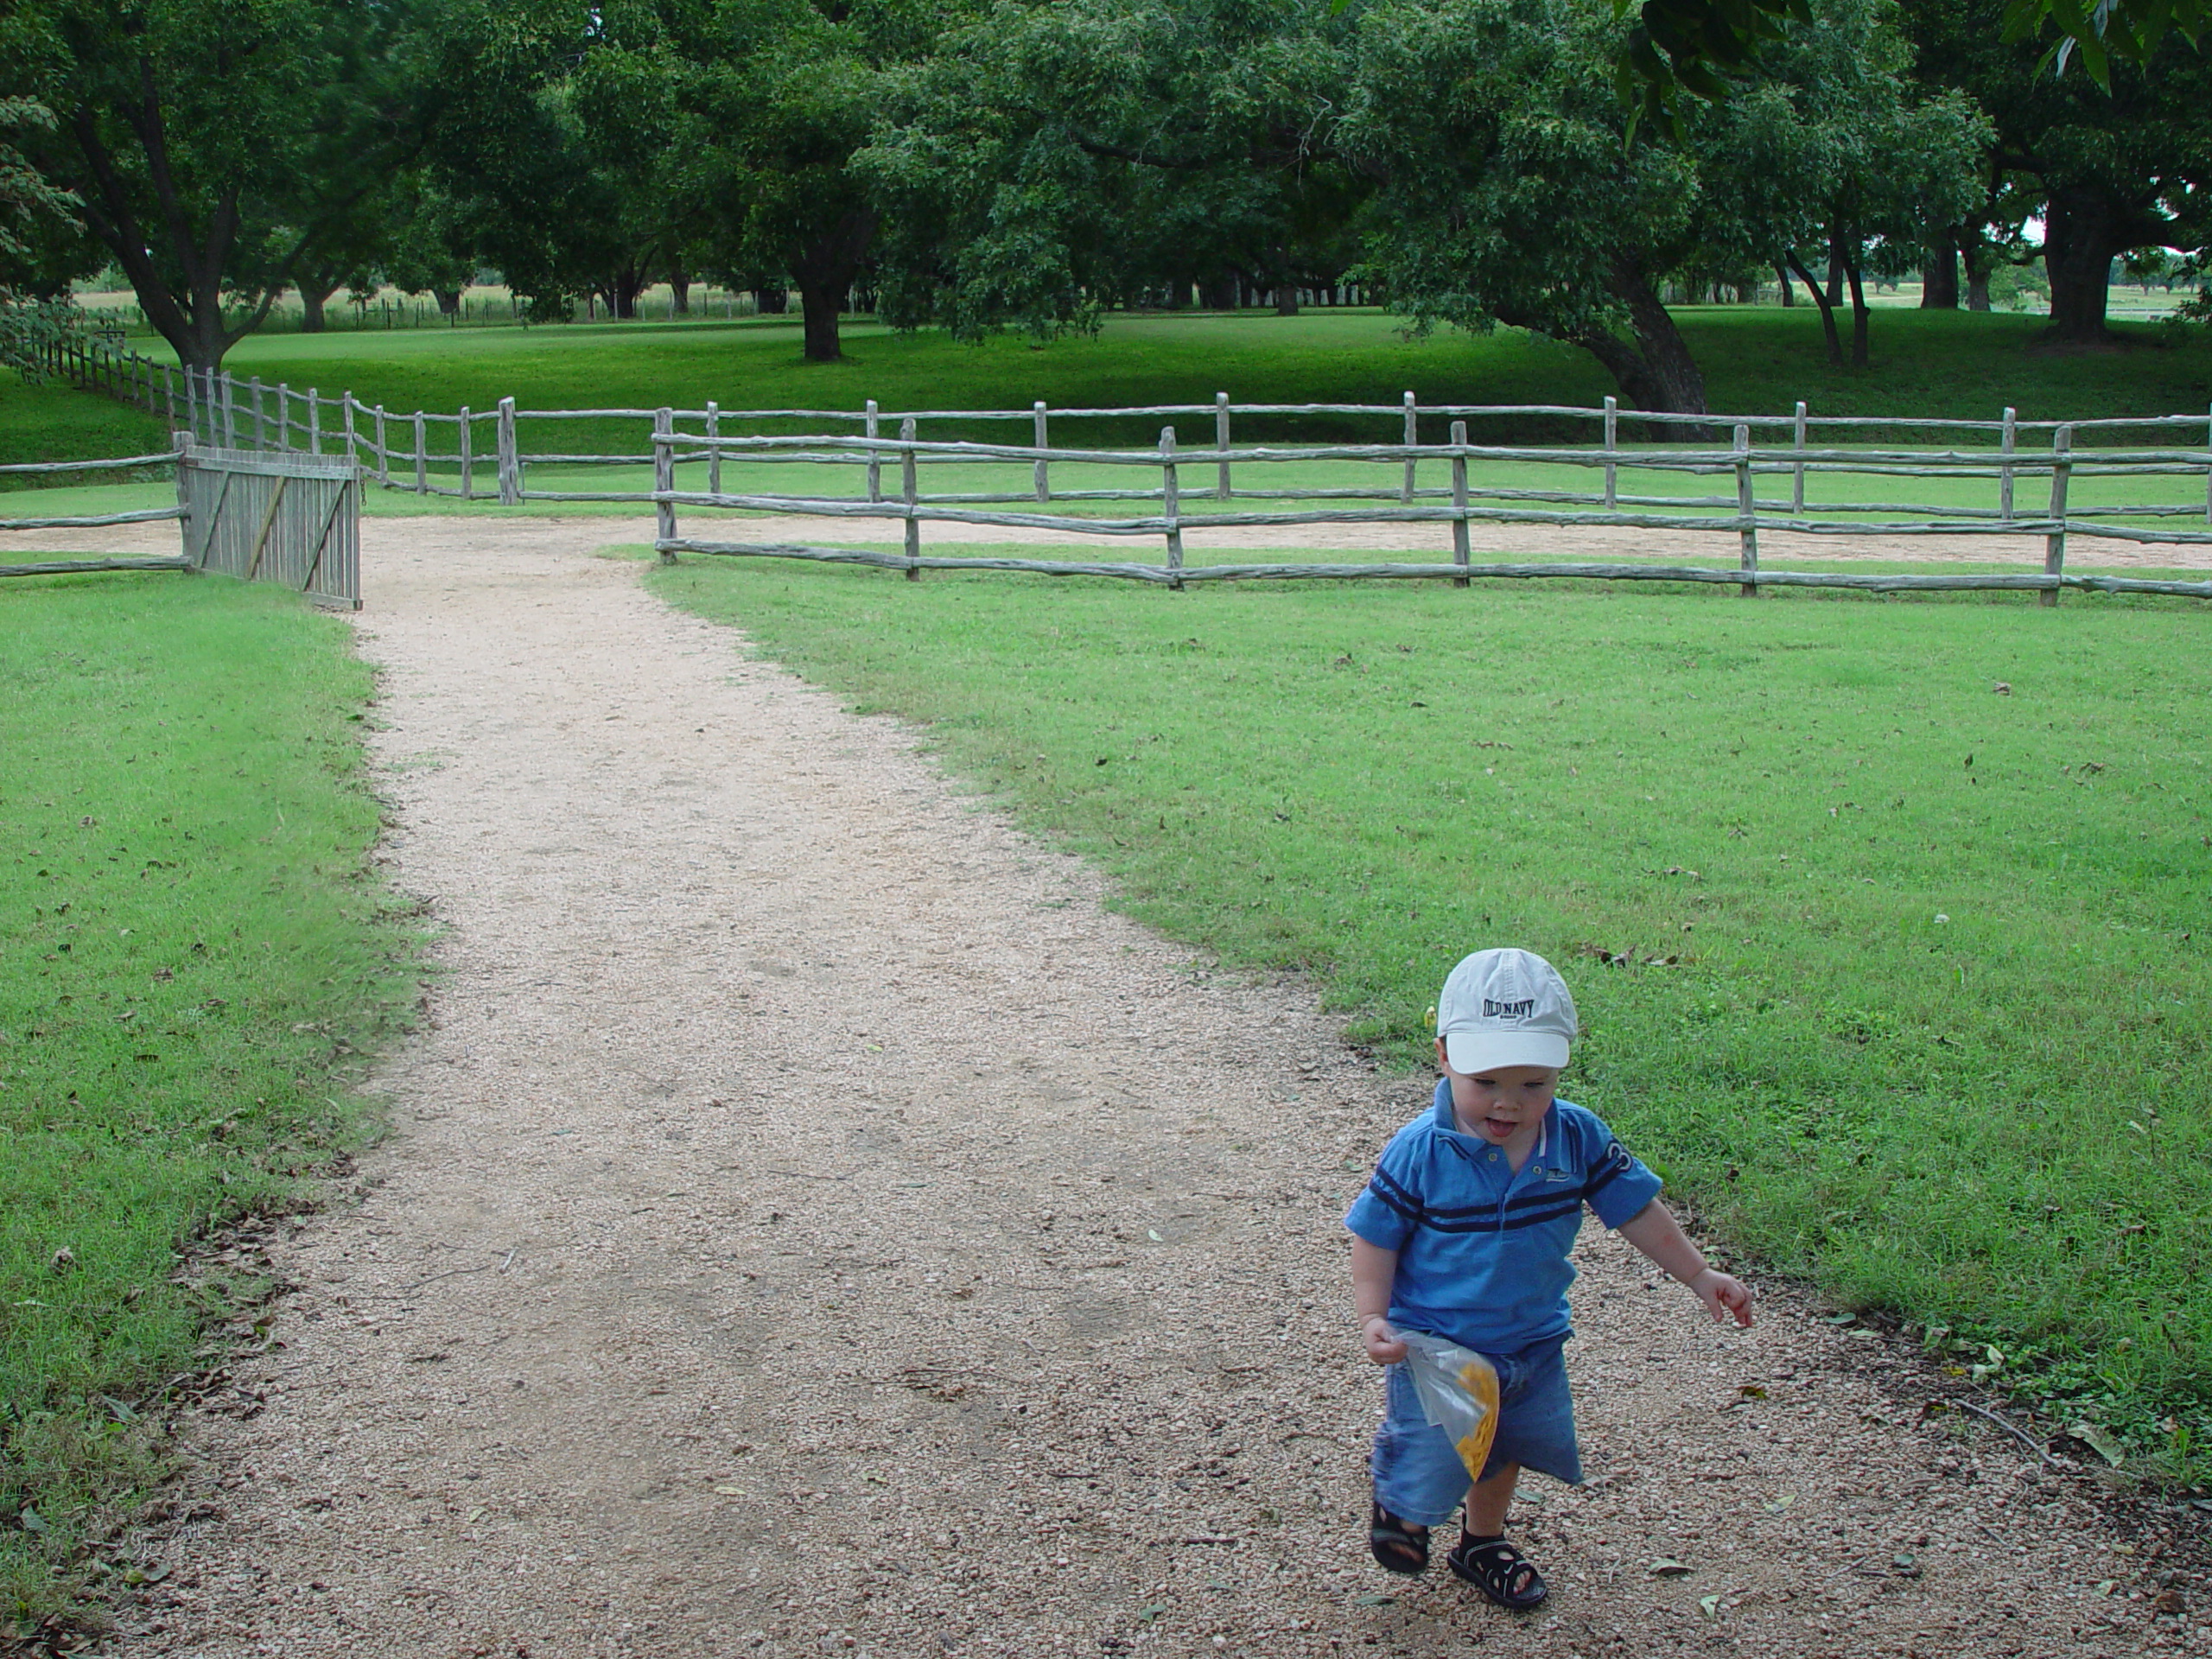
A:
(1757, 359)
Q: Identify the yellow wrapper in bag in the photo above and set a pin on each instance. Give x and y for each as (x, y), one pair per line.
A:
(1458, 1394)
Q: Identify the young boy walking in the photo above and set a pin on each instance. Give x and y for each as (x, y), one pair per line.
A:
(1464, 1232)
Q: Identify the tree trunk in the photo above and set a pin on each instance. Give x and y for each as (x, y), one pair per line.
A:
(773, 299)
(1828, 311)
(1789, 288)
(2084, 233)
(1835, 269)
(1939, 281)
(312, 320)
(825, 268)
(1285, 300)
(1973, 255)
(679, 289)
(1657, 373)
(1219, 294)
(1858, 315)
(821, 306)
(448, 301)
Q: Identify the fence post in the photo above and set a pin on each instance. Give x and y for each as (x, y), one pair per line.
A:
(2053, 546)
(1172, 500)
(1413, 437)
(422, 455)
(663, 477)
(314, 422)
(1221, 489)
(384, 453)
(2208, 474)
(1613, 448)
(1042, 477)
(713, 449)
(871, 430)
(1797, 482)
(260, 437)
(2005, 467)
(352, 454)
(910, 484)
(1747, 512)
(283, 418)
(468, 457)
(168, 396)
(230, 409)
(1459, 501)
(510, 468)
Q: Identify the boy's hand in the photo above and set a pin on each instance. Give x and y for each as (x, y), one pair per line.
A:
(1724, 1295)
(1382, 1345)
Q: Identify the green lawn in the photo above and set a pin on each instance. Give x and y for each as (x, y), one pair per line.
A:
(55, 423)
(197, 949)
(1757, 360)
(1894, 972)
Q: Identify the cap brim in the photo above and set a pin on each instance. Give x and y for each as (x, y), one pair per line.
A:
(1473, 1051)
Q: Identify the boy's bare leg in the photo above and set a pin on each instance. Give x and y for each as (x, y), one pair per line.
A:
(1489, 1499)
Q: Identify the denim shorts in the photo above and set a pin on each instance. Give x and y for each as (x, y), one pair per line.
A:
(1418, 1474)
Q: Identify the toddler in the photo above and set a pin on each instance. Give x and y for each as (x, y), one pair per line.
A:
(1464, 1231)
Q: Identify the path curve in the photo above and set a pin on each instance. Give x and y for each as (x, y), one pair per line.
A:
(812, 1224)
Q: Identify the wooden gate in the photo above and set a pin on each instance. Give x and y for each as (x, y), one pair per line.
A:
(289, 517)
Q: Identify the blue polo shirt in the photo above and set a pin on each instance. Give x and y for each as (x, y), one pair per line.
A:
(1483, 1251)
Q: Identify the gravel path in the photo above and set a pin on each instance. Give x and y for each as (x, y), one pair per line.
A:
(812, 1224)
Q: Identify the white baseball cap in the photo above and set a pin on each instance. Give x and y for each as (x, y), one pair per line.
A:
(1504, 1008)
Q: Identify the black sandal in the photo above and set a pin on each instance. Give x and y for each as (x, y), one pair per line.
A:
(1397, 1547)
(1499, 1571)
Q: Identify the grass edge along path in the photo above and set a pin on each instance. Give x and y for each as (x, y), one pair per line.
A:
(1879, 913)
(201, 955)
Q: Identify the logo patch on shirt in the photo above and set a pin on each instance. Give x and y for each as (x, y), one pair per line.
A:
(1521, 1010)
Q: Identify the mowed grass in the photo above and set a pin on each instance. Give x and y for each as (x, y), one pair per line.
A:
(54, 421)
(1757, 360)
(1886, 919)
(196, 951)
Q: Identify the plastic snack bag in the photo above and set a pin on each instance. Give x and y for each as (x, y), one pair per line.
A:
(1458, 1394)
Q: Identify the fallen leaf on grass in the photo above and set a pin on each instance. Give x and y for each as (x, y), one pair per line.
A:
(32, 1520)
(2100, 1441)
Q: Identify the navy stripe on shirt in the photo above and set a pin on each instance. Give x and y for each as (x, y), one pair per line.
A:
(1494, 1223)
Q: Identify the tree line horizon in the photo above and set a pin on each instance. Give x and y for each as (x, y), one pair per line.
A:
(979, 165)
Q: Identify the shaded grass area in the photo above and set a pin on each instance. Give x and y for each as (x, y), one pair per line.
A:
(1757, 360)
(54, 421)
(1892, 971)
(196, 949)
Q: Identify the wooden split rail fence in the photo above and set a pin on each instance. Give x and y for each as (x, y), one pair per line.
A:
(289, 519)
(1799, 451)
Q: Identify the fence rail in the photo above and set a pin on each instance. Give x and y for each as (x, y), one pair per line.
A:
(1770, 487)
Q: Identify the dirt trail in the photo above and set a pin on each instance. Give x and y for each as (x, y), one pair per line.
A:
(812, 1224)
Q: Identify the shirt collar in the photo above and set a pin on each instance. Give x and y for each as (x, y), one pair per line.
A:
(1447, 1122)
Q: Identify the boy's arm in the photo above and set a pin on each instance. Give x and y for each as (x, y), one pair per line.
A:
(1374, 1270)
(1654, 1230)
